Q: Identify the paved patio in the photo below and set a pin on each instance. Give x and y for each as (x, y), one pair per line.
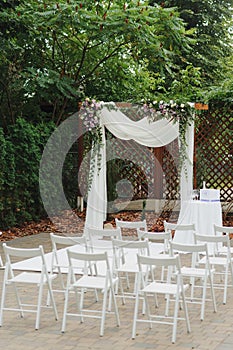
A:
(214, 333)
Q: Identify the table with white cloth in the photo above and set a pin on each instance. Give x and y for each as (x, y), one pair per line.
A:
(203, 214)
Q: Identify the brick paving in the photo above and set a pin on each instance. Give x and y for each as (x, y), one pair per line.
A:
(214, 333)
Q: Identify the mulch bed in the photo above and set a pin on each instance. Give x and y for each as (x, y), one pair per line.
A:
(64, 224)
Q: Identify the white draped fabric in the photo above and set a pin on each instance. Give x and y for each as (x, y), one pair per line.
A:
(150, 134)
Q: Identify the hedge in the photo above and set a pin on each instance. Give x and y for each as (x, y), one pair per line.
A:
(20, 154)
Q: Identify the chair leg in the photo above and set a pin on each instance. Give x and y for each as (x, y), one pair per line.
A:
(113, 297)
(2, 302)
(186, 313)
(135, 316)
(80, 302)
(63, 328)
(225, 285)
(175, 318)
(212, 292)
(204, 285)
(52, 300)
(39, 307)
(103, 312)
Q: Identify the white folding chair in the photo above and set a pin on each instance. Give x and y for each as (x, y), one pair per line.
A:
(174, 230)
(159, 238)
(125, 263)
(192, 270)
(222, 263)
(223, 230)
(100, 239)
(170, 288)
(156, 237)
(17, 278)
(132, 225)
(82, 284)
(59, 261)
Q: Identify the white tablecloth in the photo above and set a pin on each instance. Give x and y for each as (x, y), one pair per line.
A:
(203, 214)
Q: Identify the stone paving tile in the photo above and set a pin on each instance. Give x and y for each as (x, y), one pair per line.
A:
(214, 333)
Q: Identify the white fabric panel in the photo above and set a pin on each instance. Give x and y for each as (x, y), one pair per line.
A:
(97, 196)
(151, 134)
(155, 134)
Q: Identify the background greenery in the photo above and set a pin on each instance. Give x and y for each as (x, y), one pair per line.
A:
(54, 53)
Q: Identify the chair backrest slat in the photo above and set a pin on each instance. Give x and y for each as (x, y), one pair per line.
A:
(87, 256)
(178, 227)
(223, 229)
(159, 261)
(22, 252)
(141, 224)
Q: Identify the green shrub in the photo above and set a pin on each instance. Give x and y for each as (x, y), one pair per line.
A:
(20, 154)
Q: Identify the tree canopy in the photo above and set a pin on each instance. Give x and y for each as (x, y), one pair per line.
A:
(54, 53)
(210, 22)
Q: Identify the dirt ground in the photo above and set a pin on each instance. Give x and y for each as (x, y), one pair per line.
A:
(65, 223)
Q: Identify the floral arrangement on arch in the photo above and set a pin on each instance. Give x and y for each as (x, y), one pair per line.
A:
(178, 112)
(89, 114)
(175, 111)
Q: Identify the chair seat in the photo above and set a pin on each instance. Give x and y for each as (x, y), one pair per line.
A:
(194, 272)
(93, 282)
(215, 260)
(30, 277)
(223, 250)
(163, 288)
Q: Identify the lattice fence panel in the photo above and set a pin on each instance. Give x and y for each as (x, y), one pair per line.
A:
(170, 170)
(130, 166)
(138, 165)
(214, 153)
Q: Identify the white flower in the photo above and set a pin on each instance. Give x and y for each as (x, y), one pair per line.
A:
(182, 105)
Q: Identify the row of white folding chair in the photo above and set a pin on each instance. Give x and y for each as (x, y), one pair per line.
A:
(13, 277)
(144, 289)
(194, 271)
(220, 246)
(84, 255)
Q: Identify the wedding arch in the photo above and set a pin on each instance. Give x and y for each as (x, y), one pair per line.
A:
(151, 134)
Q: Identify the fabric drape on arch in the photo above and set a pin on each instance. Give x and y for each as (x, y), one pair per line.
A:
(150, 134)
